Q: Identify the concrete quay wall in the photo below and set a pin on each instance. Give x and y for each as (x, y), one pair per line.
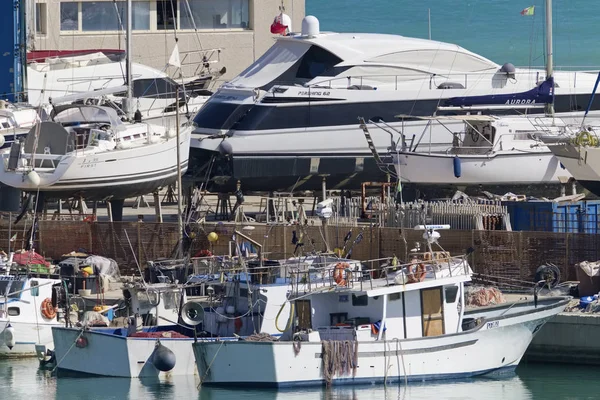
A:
(567, 338)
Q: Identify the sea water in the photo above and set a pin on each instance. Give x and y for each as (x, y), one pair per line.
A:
(23, 380)
(494, 29)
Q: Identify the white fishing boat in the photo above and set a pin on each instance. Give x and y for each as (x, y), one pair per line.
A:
(88, 151)
(152, 345)
(489, 150)
(27, 314)
(409, 325)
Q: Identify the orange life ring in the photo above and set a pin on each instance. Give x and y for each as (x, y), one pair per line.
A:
(48, 310)
(340, 272)
(417, 274)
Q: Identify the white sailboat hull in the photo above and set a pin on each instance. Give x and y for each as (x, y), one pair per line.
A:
(119, 173)
(496, 346)
(106, 354)
(512, 168)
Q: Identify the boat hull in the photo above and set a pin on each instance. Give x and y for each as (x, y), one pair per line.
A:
(494, 347)
(27, 336)
(582, 162)
(299, 158)
(106, 354)
(496, 169)
(115, 174)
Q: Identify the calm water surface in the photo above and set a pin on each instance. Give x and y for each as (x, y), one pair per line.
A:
(22, 380)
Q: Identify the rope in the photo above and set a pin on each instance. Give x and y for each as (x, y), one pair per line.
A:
(261, 337)
(210, 365)
(68, 351)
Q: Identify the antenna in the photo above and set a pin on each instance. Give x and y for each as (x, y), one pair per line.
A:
(429, 20)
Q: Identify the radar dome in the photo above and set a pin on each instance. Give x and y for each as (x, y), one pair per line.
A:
(310, 26)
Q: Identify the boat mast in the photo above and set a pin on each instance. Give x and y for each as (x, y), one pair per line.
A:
(127, 105)
(549, 55)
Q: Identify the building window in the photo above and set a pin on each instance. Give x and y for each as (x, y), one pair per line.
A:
(69, 16)
(215, 14)
(40, 18)
(109, 16)
(166, 14)
(141, 15)
(101, 16)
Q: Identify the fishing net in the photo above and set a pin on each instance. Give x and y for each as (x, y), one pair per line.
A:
(340, 358)
(484, 296)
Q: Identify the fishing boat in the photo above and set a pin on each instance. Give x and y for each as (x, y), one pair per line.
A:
(408, 325)
(27, 314)
(151, 345)
(291, 116)
(87, 151)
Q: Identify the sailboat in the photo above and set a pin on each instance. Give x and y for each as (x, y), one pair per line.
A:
(491, 150)
(87, 151)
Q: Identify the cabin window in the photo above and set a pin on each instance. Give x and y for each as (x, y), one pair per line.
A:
(215, 14)
(450, 293)
(360, 300)
(35, 290)
(160, 88)
(395, 296)
(170, 299)
(14, 311)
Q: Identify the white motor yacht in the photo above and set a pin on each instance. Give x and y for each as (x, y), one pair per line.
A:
(291, 117)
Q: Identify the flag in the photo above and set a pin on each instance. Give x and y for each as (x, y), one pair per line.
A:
(528, 11)
(174, 60)
(12, 239)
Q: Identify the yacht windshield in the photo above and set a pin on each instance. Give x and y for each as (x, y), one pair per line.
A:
(88, 115)
(289, 63)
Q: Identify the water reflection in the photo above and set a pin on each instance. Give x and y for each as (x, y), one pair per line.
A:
(22, 380)
(510, 387)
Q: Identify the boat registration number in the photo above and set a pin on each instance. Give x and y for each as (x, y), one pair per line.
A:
(493, 324)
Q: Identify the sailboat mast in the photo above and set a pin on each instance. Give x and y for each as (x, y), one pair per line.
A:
(549, 54)
(129, 100)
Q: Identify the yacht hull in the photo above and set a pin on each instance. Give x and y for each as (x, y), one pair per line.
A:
(495, 346)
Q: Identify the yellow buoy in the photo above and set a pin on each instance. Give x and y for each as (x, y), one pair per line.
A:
(213, 237)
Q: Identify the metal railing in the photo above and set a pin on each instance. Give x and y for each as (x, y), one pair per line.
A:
(306, 275)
